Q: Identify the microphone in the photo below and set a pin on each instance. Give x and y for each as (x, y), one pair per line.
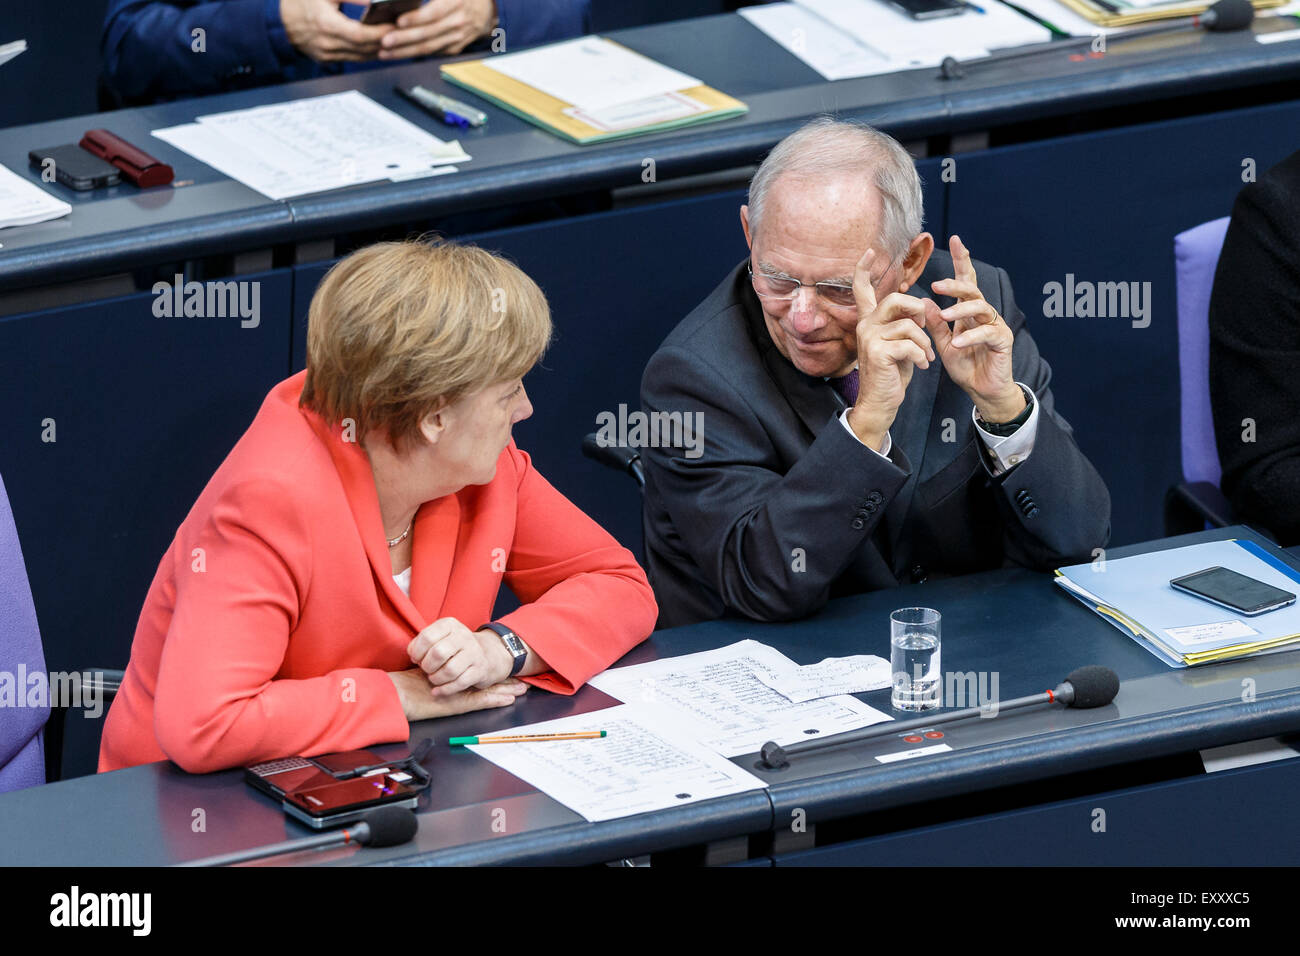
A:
(1085, 687)
(386, 826)
(1226, 15)
(618, 457)
(1223, 17)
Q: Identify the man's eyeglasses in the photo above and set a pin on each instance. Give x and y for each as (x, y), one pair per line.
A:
(783, 287)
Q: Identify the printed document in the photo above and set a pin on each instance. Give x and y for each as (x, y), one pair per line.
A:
(591, 73)
(641, 765)
(834, 675)
(311, 145)
(721, 698)
(23, 203)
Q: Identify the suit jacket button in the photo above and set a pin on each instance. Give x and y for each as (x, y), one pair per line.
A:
(875, 497)
(864, 513)
(1032, 513)
(871, 507)
(858, 524)
(1022, 495)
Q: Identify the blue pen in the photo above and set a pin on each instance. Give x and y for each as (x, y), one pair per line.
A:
(452, 112)
(977, 9)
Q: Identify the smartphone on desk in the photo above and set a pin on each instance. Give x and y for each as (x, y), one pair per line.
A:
(333, 789)
(929, 9)
(387, 11)
(1232, 590)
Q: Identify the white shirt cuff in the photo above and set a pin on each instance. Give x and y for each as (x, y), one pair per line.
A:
(1012, 449)
(889, 441)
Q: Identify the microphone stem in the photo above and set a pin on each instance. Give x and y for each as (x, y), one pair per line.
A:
(336, 838)
(920, 723)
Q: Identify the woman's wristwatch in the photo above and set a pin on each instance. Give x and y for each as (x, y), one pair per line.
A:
(513, 644)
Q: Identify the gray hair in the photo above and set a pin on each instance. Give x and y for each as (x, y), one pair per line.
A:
(827, 145)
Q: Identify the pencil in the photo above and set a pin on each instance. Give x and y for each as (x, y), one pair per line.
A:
(524, 738)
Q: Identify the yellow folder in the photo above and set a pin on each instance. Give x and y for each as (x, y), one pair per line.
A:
(527, 102)
(1129, 17)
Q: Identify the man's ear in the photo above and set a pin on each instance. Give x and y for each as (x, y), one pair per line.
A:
(915, 259)
(744, 224)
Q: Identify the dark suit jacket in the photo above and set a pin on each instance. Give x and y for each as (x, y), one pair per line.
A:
(147, 44)
(1255, 352)
(784, 508)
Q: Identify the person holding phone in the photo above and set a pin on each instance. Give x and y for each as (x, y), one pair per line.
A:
(337, 577)
(167, 49)
(874, 411)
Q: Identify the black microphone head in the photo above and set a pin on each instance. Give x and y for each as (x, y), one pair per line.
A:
(1094, 686)
(1228, 15)
(613, 456)
(389, 826)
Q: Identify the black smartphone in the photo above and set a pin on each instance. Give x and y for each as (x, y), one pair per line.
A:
(387, 11)
(929, 9)
(1234, 591)
(75, 167)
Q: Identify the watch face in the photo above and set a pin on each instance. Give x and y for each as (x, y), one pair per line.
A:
(515, 646)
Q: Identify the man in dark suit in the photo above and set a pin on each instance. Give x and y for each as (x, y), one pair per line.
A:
(1254, 352)
(165, 49)
(855, 434)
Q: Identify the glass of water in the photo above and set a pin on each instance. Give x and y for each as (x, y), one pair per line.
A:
(914, 658)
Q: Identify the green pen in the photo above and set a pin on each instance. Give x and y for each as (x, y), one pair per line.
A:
(525, 738)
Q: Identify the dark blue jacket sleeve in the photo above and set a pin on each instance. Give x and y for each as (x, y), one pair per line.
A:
(149, 46)
(529, 22)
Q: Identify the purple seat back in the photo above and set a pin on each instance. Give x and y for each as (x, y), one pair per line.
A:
(1196, 255)
(22, 757)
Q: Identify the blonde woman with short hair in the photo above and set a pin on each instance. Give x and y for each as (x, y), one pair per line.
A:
(336, 578)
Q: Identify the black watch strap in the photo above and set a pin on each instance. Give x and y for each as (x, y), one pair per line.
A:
(1005, 429)
(513, 644)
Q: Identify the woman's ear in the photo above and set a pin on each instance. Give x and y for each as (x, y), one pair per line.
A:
(434, 424)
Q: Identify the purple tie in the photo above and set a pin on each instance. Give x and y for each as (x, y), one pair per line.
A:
(847, 386)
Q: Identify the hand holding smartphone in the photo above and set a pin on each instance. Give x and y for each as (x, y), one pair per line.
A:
(387, 11)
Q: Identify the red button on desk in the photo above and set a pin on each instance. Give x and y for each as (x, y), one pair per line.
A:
(912, 739)
(934, 734)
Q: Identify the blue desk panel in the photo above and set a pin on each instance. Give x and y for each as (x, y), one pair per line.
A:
(144, 410)
(1241, 817)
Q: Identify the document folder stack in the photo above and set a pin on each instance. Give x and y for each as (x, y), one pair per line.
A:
(1134, 595)
(591, 90)
(1124, 13)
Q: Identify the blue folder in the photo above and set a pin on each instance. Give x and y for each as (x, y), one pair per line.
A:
(1134, 594)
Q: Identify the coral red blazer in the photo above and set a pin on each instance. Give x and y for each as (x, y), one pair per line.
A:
(274, 616)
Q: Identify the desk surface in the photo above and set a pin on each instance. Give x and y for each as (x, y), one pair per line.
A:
(1014, 622)
(122, 228)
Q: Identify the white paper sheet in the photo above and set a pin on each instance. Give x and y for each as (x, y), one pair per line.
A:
(830, 51)
(643, 764)
(717, 695)
(23, 203)
(591, 73)
(919, 43)
(1063, 18)
(306, 146)
(834, 675)
(1278, 36)
(10, 50)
